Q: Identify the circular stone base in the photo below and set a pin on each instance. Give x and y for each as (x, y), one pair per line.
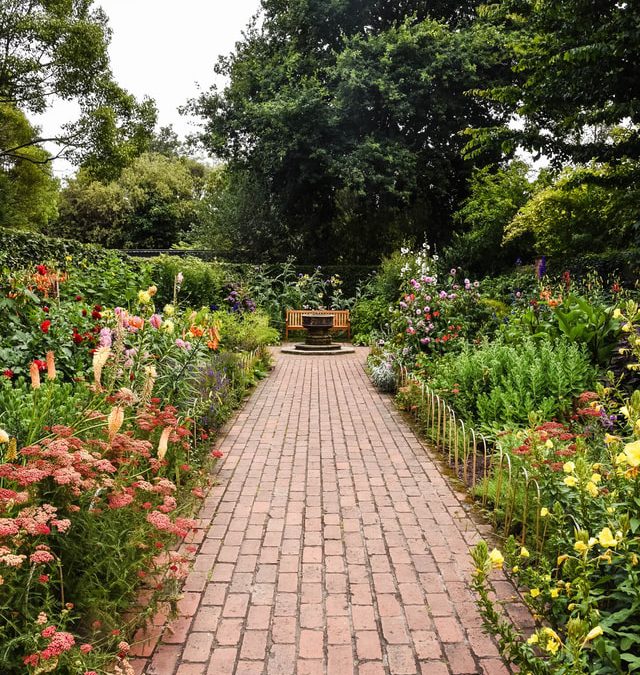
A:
(335, 348)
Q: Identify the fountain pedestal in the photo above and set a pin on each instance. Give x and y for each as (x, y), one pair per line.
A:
(318, 340)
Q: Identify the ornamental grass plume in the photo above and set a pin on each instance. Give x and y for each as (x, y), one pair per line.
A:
(115, 421)
(51, 366)
(34, 372)
(163, 443)
(150, 379)
(100, 357)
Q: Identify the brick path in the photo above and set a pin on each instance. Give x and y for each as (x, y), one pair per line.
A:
(334, 544)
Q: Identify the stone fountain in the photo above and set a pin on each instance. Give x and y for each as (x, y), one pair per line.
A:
(318, 340)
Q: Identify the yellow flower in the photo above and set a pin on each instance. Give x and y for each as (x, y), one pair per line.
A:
(596, 478)
(152, 290)
(544, 512)
(570, 481)
(4, 436)
(168, 326)
(594, 633)
(169, 310)
(533, 640)
(515, 569)
(496, 558)
(555, 592)
(568, 467)
(606, 538)
(592, 489)
(609, 439)
(632, 453)
(561, 559)
(617, 313)
(548, 444)
(627, 327)
(534, 592)
(144, 297)
(552, 645)
(580, 547)
(624, 411)
(634, 559)
(524, 553)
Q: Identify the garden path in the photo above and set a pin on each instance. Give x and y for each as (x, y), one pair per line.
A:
(332, 543)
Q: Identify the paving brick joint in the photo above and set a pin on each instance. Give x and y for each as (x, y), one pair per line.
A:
(332, 544)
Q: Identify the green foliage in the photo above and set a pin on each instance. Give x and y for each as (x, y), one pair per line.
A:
(494, 384)
(151, 204)
(585, 209)
(28, 191)
(495, 197)
(574, 75)
(245, 331)
(58, 48)
(358, 142)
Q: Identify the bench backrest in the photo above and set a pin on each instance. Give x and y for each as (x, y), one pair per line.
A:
(340, 317)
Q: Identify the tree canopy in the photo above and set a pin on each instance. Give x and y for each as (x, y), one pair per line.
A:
(575, 75)
(57, 49)
(350, 115)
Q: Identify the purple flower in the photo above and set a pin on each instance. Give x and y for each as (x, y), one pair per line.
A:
(541, 266)
(452, 271)
(105, 337)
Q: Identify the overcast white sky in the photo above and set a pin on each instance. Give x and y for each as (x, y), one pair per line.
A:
(162, 48)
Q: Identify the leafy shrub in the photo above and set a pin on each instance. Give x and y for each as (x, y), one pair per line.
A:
(496, 384)
(203, 284)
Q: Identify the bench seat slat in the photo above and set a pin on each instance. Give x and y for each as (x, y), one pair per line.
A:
(341, 319)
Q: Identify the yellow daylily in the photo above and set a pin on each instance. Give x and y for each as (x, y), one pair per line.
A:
(524, 553)
(580, 547)
(594, 633)
(555, 592)
(632, 453)
(592, 489)
(496, 558)
(570, 481)
(610, 438)
(606, 538)
(568, 467)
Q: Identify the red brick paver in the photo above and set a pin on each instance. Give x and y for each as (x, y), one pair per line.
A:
(335, 545)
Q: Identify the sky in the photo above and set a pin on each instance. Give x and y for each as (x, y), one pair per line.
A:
(164, 49)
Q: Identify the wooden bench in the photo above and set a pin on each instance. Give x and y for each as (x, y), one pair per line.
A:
(341, 319)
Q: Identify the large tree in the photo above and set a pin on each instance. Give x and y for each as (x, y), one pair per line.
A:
(28, 191)
(151, 204)
(575, 75)
(349, 114)
(57, 49)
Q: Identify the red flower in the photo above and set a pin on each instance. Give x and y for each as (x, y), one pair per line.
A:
(84, 312)
(98, 308)
(77, 338)
(41, 269)
(44, 326)
(216, 453)
(78, 298)
(8, 373)
(43, 578)
(96, 314)
(45, 309)
(42, 365)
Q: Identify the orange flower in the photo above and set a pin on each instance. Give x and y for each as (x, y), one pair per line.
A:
(51, 366)
(164, 442)
(115, 421)
(34, 372)
(196, 331)
(135, 322)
